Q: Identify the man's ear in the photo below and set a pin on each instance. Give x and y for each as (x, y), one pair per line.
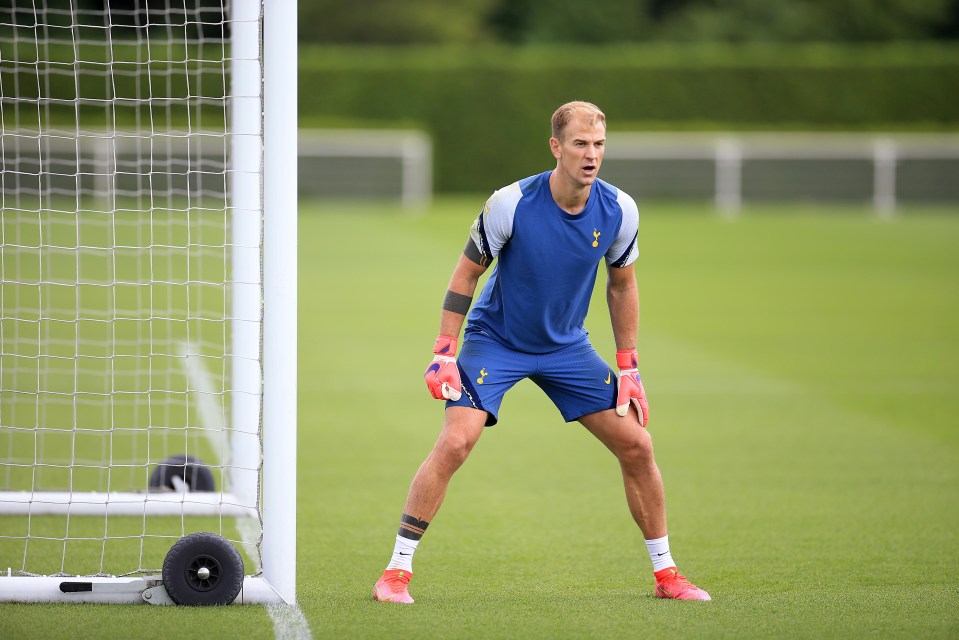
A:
(554, 146)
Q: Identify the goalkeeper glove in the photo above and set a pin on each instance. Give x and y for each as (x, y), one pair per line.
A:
(443, 376)
(631, 386)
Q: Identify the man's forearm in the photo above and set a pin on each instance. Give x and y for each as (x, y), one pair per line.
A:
(459, 296)
(451, 323)
(623, 304)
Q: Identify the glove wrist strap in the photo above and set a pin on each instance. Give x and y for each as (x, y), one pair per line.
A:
(445, 346)
(627, 359)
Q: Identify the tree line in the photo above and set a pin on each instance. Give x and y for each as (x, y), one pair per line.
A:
(397, 22)
(472, 22)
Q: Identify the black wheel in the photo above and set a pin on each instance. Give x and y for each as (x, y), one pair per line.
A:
(190, 470)
(203, 569)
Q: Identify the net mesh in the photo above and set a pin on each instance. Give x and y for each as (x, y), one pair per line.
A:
(115, 292)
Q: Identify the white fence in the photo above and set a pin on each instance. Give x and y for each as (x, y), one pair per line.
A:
(735, 168)
(729, 169)
(96, 168)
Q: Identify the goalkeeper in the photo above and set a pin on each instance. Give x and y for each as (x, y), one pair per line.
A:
(548, 233)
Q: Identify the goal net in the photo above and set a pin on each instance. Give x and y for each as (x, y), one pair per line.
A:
(135, 295)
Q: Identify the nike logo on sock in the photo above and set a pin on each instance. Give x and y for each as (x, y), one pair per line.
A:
(405, 554)
(663, 553)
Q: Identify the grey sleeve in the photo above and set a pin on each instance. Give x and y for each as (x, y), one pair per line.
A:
(624, 250)
(493, 227)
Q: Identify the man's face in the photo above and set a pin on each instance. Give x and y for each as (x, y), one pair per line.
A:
(580, 154)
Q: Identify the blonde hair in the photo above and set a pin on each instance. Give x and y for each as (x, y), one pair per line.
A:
(562, 116)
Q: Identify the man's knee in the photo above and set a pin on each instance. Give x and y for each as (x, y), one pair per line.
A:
(637, 449)
(454, 448)
(457, 440)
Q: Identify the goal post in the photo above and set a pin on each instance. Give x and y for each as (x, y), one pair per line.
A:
(148, 241)
(279, 273)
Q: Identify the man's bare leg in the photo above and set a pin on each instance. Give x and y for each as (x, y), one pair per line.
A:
(633, 447)
(462, 427)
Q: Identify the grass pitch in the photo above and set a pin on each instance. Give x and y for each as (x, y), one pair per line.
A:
(802, 367)
(802, 373)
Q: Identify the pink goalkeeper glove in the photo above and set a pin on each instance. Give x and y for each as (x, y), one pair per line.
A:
(443, 376)
(630, 386)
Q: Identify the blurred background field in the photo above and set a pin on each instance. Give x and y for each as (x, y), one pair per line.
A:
(801, 369)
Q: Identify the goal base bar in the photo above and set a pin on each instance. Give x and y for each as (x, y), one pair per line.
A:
(122, 503)
(105, 590)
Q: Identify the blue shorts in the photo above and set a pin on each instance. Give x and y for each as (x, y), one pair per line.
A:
(575, 378)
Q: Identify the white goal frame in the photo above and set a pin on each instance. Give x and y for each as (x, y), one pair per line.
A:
(263, 112)
(413, 149)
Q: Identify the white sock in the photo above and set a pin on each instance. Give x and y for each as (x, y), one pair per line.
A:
(403, 554)
(659, 553)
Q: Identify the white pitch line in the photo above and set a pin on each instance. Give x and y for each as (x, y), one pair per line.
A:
(212, 416)
(289, 623)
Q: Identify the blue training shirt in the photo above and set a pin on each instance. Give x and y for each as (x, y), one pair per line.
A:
(537, 297)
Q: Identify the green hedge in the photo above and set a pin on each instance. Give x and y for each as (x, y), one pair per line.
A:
(488, 110)
(114, 83)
